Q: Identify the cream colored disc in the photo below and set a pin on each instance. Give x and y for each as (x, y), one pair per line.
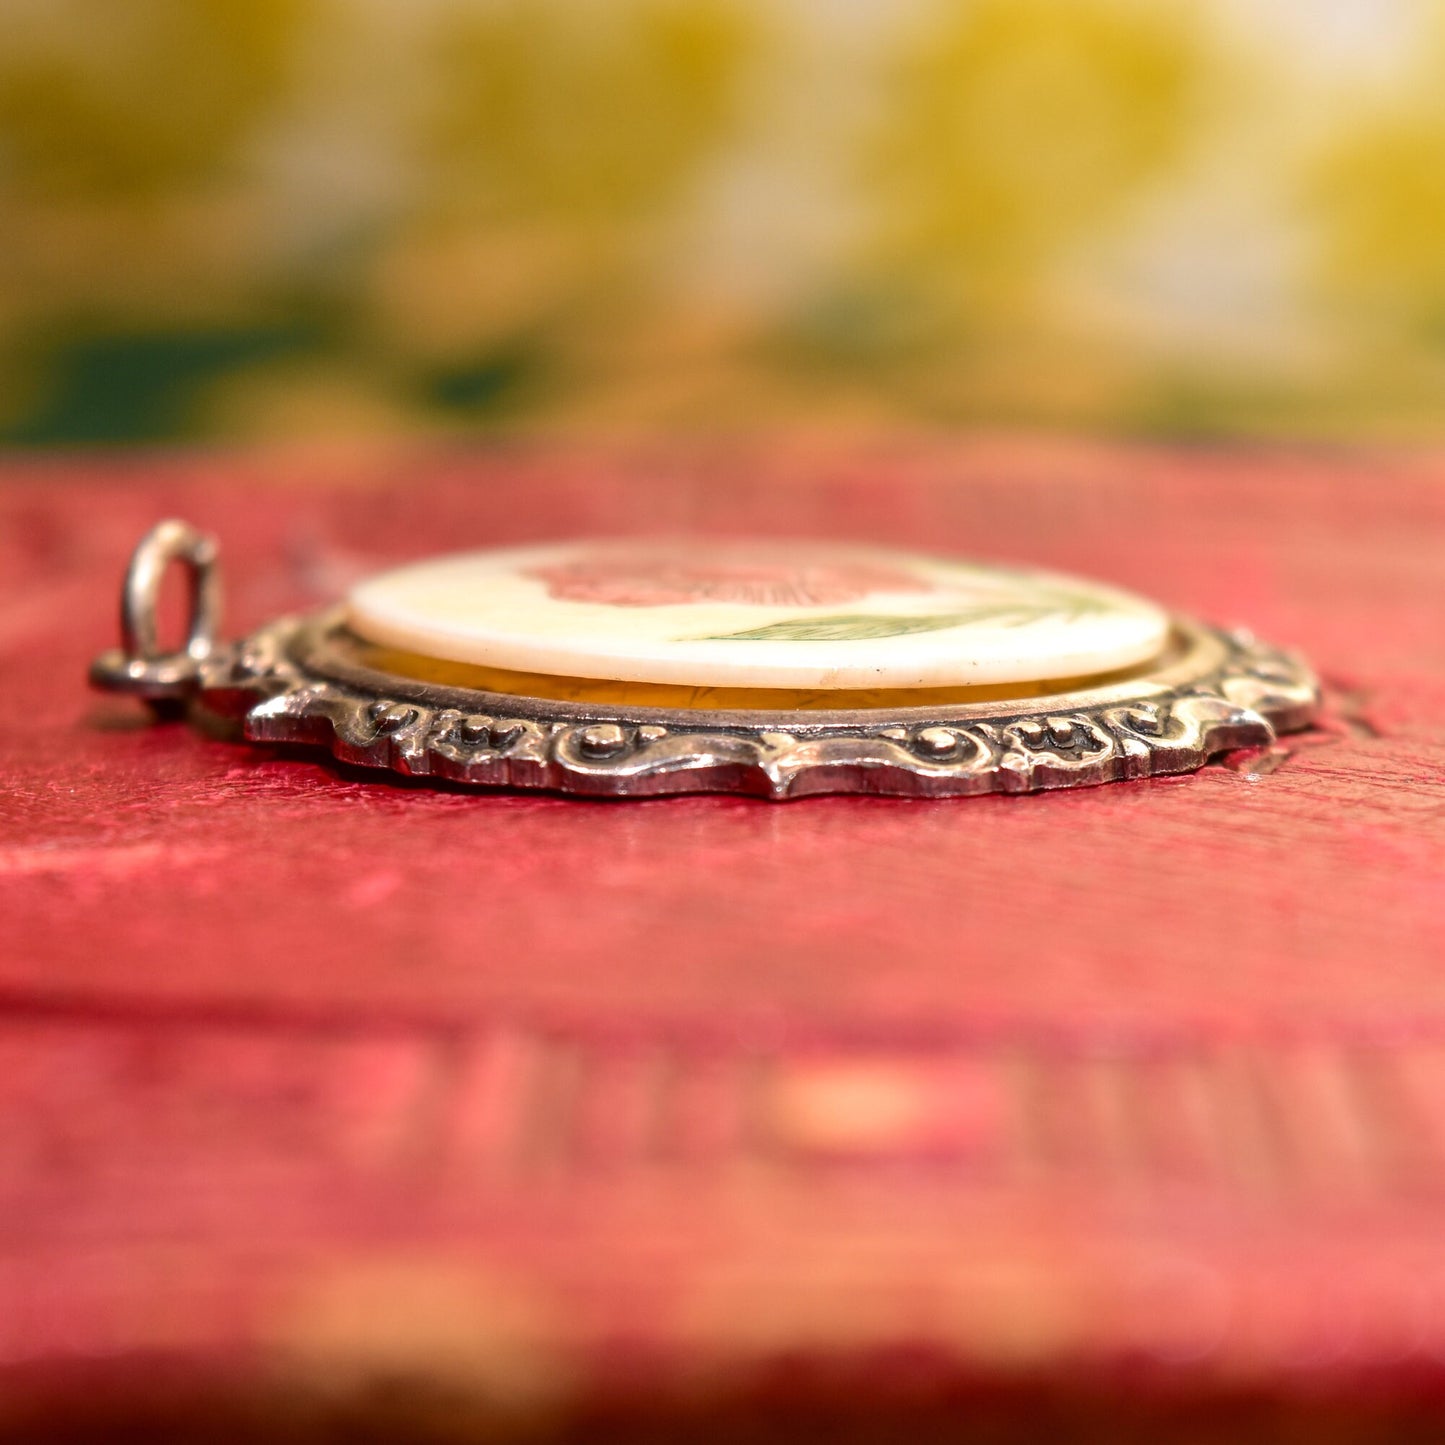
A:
(755, 614)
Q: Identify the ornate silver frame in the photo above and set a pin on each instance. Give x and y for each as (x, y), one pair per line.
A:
(299, 680)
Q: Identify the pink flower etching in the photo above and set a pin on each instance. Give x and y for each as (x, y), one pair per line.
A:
(665, 578)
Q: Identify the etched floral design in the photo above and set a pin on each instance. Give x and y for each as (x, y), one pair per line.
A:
(1053, 605)
(664, 579)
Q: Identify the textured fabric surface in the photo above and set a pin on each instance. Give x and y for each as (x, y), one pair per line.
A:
(328, 1102)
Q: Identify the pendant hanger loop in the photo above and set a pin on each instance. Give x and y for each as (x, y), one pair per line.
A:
(139, 666)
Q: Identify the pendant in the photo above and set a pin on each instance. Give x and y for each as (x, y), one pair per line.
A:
(775, 668)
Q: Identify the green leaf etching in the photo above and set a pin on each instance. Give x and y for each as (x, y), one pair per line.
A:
(861, 626)
(841, 627)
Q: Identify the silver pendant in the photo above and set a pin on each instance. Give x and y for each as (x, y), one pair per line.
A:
(319, 681)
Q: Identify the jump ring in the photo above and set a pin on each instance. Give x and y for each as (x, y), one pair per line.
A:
(139, 665)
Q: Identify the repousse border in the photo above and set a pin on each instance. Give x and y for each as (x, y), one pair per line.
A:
(293, 682)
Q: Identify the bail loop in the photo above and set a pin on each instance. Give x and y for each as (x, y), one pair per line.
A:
(138, 666)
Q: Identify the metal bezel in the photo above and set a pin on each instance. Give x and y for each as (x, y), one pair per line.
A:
(297, 681)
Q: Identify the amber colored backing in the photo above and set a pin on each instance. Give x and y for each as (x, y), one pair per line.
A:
(658, 694)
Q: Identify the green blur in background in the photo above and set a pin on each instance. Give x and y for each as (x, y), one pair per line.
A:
(281, 220)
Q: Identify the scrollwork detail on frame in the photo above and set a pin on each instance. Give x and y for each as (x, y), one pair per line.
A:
(1242, 697)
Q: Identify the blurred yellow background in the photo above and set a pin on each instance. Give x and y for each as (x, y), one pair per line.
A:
(281, 219)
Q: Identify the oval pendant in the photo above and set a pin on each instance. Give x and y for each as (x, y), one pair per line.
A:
(779, 669)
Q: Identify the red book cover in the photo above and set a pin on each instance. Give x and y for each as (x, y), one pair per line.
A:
(334, 1105)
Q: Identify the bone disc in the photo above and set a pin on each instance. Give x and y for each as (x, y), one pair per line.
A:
(762, 614)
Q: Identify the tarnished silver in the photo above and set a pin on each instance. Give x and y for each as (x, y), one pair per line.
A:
(303, 680)
(138, 665)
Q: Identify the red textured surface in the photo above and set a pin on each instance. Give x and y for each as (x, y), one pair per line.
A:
(325, 1099)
